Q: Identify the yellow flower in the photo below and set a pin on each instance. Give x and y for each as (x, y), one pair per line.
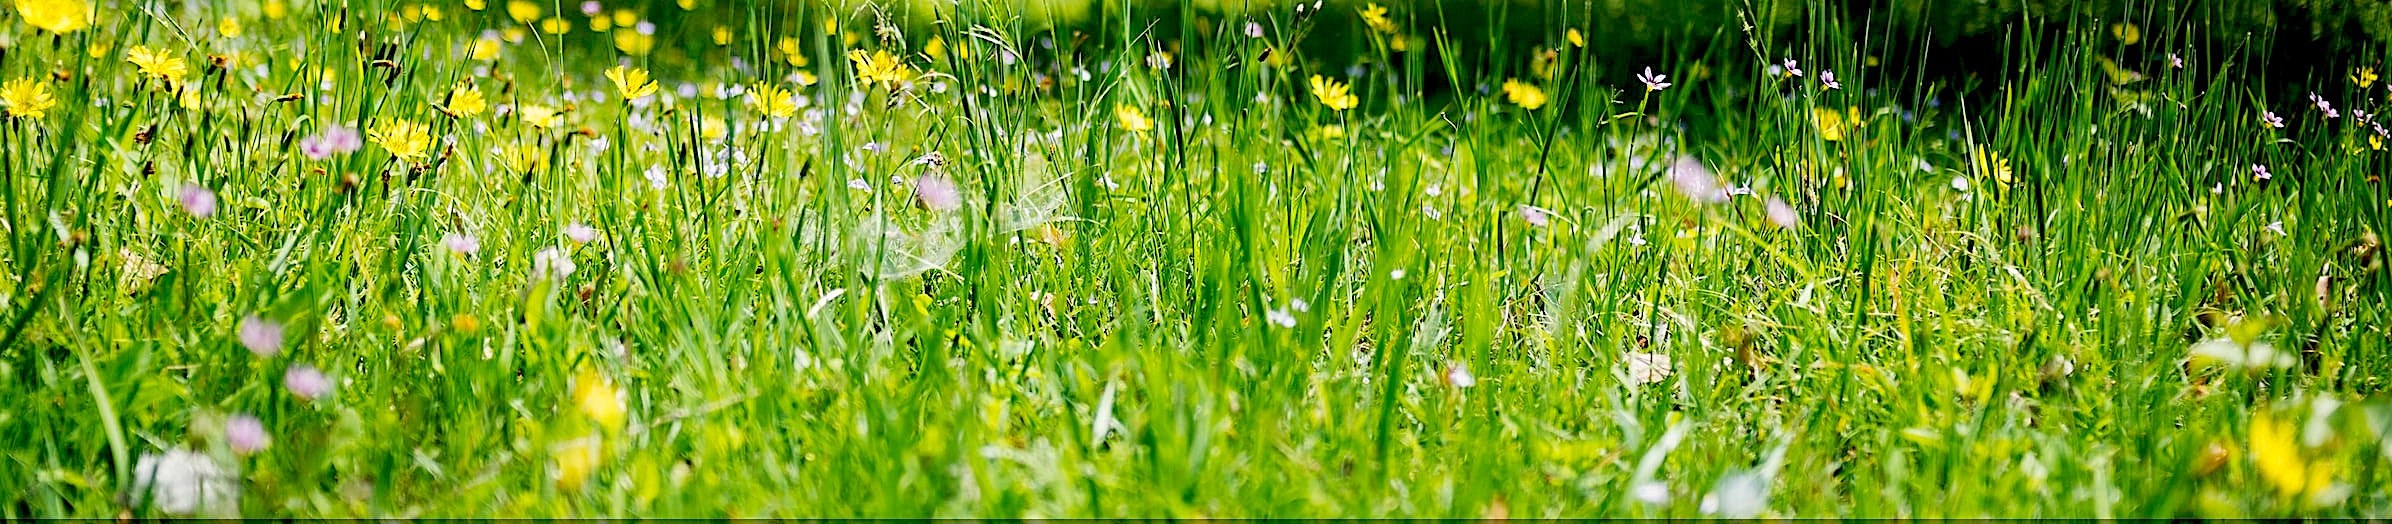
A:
(632, 82)
(1132, 119)
(26, 97)
(1576, 38)
(158, 63)
(2127, 33)
(274, 9)
(1527, 95)
(56, 16)
(476, 5)
(2280, 462)
(575, 459)
(520, 159)
(523, 11)
(409, 141)
(712, 129)
(1333, 131)
(771, 100)
(228, 26)
(1830, 123)
(806, 78)
(878, 67)
(541, 116)
(555, 26)
(466, 100)
(1988, 164)
(722, 35)
(2364, 77)
(484, 49)
(598, 399)
(1337, 95)
(1376, 15)
(633, 43)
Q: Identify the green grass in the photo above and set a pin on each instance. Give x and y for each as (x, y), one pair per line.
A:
(1257, 307)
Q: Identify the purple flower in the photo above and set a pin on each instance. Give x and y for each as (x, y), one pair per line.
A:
(937, 193)
(197, 200)
(1827, 79)
(1652, 81)
(2259, 172)
(1783, 214)
(306, 382)
(2175, 61)
(461, 243)
(2271, 120)
(592, 8)
(331, 141)
(245, 434)
(262, 337)
(1695, 181)
(1791, 69)
(2323, 106)
(1534, 216)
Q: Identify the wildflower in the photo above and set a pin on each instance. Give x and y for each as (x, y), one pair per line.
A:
(465, 100)
(552, 263)
(1458, 375)
(541, 116)
(2254, 355)
(306, 382)
(26, 97)
(262, 337)
(1829, 122)
(575, 459)
(1827, 79)
(580, 233)
(598, 399)
(656, 177)
(2323, 106)
(523, 11)
(484, 49)
(409, 141)
(1695, 181)
(182, 482)
(2271, 120)
(1253, 30)
(56, 16)
(524, 158)
(2259, 172)
(1783, 214)
(592, 8)
(1337, 95)
(771, 100)
(463, 244)
(2175, 61)
(1528, 96)
(1534, 216)
(631, 82)
(1132, 119)
(158, 63)
(1375, 15)
(1647, 368)
(937, 193)
(879, 68)
(1988, 164)
(330, 141)
(1280, 317)
(1652, 81)
(245, 434)
(2276, 227)
(2364, 77)
(1740, 495)
(2127, 33)
(1578, 39)
(197, 200)
(2279, 460)
(1791, 69)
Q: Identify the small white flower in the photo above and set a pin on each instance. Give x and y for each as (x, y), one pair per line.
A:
(1458, 376)
(184, 483)
(1281, 318)
(2276, 227)
(551, 262)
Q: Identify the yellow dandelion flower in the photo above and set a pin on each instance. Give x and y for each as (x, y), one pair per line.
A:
(771, 100)
(158, 63)
(434, 13)
(1527, 95)
(722, 35)
(466, 100)
(26, 97)
(1576, 38)
(274, 9)
(2364, 77)
(879, 68)
(476, 5)
(1332, 131)
(598, 399)
(600, 24)
(1337, 95)
(1830, 123)
(633, 43)
(625, 17)
(228, 26)
(575, 459)
(712, 129)
(632, 82)
(1987, 164)
(556, 26)
(406, 140)
(935, 49)
(1132, 119)
(484, 49)
(56, 16)
(806, 78)
(520, 159)
(523, 11)
(2127, 33)
(541, 116)
(1376, 16)
(2278, 457)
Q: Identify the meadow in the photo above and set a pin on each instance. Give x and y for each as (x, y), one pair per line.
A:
(460, 258)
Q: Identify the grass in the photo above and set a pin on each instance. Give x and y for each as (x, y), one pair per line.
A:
(1169, 280)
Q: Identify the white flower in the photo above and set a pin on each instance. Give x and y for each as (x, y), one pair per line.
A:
(1647, 368)
(1458, 376)
(184, 483)
(1281, 318)
(551, 262)
(1783, 214)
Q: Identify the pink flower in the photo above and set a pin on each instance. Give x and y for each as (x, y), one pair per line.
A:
(2259, 172)
(1652, 81)
(245, 434)
(1534, 216)
(306, 382)
(580, 233)
(1695, 181)
(1783, 214)
(197, 200)
(937, 193)
(262, 337)
(1827, 79)
(1458, 375)
(461, 243)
